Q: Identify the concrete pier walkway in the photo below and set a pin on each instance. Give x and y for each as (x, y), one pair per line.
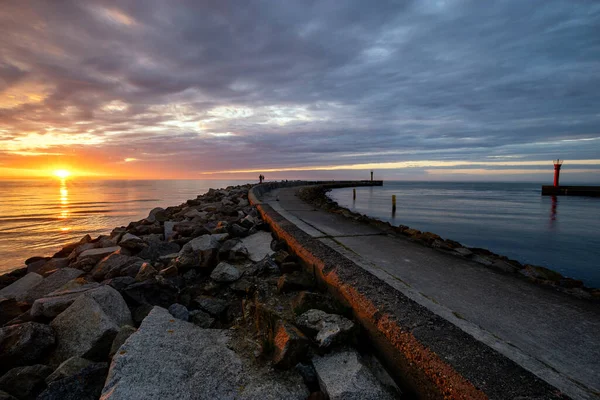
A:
(555, 336)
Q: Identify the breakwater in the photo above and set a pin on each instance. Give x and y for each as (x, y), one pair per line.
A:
(590, 191)
(195, 299)
(415, 329)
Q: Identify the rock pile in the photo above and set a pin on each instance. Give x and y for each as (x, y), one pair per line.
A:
(194, 301)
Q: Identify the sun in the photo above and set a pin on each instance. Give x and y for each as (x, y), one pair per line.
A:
(62, 173)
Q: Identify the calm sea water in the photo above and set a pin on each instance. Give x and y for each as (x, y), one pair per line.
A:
(512, 219)
(39, 217)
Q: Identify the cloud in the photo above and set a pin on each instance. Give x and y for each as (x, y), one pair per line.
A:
(214, 86)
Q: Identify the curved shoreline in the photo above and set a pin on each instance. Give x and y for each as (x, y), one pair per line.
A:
(317, 196)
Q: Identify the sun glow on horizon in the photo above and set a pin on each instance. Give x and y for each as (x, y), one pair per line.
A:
(62, 173)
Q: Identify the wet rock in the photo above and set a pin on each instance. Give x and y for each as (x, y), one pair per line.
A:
(24, 344)
(225, 273)
(258, 245)
(25, 382)
(329, 328)
(213, 306)
(169, 358)
(179, 311)
(121, 337)
(343, 376)
(289, 345)
(201, 319)
(201, 252)
(68, 368)
(293, 282)
(83, 385)
(19, 289)
(11, 308)
(145, 272)
(52, 283)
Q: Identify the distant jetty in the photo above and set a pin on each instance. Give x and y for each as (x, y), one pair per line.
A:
(557, 190)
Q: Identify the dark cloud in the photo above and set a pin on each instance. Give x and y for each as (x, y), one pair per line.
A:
(245, 85)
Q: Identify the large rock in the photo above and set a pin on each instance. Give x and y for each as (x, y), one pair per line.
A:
(58, 301)
(112, 265)
(155, 249)
(171, 359)
(258, 245)
(24, 344)
(200, 252)
(25, 382)
(132, 242)
(89, 258)
(52, 283)
(342, 376)
(70, 367)
(19, 289)
(83, 330)
(329, 328)
(121, 337)
(289, 345)
(85, 384)
(225, 273)
(10, 309)
(169, 229)
(112, 303)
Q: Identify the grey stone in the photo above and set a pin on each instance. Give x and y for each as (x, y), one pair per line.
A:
(50, 307)
(201, 319)
(83, 330)
(193, 213)
(24, 344)
(463, 251)
(52, 283)
(25, 382)
(168, 229)
(329, 328)
(179, 311)
(112, 303)
(200, 252)
(132, 242)
(152, 216)
(156, 249)
(343, 376)
(97, 254)
(146, 271)
(18, 290)
(84, 385)
(10, 309)
(121, 337)
(171, 359)
(6, 396)
(248, 222)
(258, 245)
(68, 368)
(111, 266)
(211, 305)
(225, 273)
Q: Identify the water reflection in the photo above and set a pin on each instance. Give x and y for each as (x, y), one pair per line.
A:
(553, 212)
(64, 205)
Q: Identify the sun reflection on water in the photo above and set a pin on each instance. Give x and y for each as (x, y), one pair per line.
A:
(64, 204)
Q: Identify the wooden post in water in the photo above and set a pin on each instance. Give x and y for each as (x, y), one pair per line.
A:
(353, 194)
(393, 203)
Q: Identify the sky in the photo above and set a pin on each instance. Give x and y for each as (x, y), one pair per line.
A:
(213, 89)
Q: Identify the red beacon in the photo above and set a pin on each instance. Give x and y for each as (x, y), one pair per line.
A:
(557, 165)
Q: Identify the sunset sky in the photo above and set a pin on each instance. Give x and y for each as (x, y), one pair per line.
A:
(414, 89)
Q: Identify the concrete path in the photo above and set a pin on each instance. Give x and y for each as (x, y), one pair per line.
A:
(554, 336)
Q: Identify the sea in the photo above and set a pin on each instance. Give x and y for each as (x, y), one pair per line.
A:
(512, 219)
(38, 217)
